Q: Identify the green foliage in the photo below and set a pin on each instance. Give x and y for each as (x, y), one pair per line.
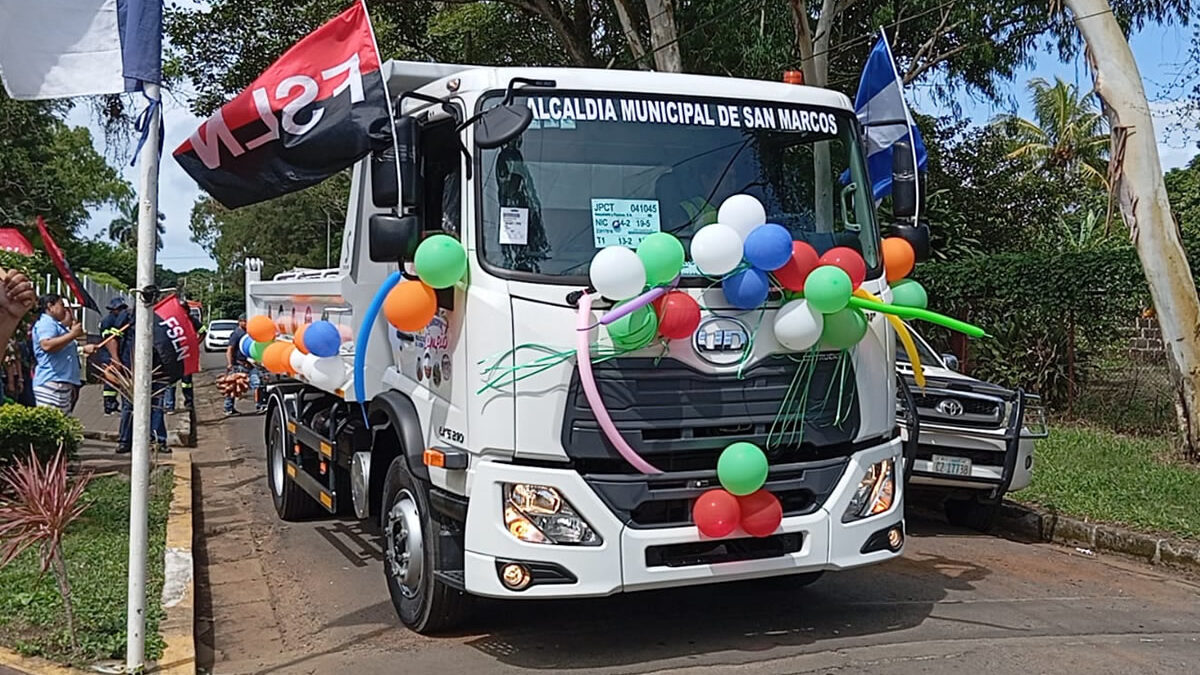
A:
(42, 429)
(123, 229)
(96, 548)
(1101, 476)
(1067, 134)
(1183, 188)
(104, 257)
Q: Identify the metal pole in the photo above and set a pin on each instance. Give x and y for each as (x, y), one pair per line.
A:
(139, 474)
(327, 249)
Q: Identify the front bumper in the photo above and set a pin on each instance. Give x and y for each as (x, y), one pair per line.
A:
(621, 562)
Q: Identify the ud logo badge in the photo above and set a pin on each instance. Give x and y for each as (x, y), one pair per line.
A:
(721, 341)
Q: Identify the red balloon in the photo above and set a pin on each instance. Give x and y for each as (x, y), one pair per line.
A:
(849, 260)
(804, 260)
(716, 513)
(761, 513)
(678, 315)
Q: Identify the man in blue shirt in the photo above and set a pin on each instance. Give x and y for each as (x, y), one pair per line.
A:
(111, 328)
(56, 376)
(236, 362)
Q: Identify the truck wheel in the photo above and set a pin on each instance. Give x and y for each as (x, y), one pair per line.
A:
(291, 502)
(972, 513)
(423, 603)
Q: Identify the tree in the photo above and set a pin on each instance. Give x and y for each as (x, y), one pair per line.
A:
(1183, 187)
(123, 229)
(1142, 194)
(1066, 135)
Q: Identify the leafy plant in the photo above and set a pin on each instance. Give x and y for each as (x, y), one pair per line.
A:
(44, 501)
(44, 430)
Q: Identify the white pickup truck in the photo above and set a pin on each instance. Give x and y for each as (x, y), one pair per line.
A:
(512, 491)
(976, 440)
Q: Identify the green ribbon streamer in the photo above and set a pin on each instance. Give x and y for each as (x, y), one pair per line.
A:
(918, 313)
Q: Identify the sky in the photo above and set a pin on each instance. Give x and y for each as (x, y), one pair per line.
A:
(1160, 52)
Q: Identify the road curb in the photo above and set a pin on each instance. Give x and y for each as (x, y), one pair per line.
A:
(32, 665)
(179, 586)
(1046, 525)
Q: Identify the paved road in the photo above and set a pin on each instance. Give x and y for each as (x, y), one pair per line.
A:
(310, 598)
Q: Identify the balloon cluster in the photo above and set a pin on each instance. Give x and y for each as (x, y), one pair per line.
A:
(641, 315)
(898, 260)
(742, 248)
(741, 501)
(440, 262)
(312, 353)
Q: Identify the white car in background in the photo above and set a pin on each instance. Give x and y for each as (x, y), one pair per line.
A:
(975, 440)
(217, 337)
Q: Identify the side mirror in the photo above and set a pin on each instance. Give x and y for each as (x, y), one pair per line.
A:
(499, 125)
(904, 181)
(951, 362)
(393, 238)
(916, 235)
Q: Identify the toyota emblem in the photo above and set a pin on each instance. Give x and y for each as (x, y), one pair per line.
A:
(949, 407)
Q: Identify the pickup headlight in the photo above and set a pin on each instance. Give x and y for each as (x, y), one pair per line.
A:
(876, 491)
(539, 514)
(1035, 417)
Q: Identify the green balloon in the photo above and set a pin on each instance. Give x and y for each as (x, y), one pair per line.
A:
(662, 256)
(908, 293)
(828, 289)
(256, 350)
(634, 330)
(844, 328)
(742, 468)
(441, 261)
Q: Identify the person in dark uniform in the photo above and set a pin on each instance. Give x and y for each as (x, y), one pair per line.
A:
(158, 426)
(112, 326)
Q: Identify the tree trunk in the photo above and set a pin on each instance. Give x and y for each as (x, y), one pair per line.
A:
(1136, 175)
(632, 36)
(664, 38)
(64, 590)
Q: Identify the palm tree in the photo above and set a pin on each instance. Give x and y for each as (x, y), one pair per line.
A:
(123, 228)
(1067, 133)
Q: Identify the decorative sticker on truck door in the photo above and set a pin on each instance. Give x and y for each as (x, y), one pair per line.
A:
(427, 350)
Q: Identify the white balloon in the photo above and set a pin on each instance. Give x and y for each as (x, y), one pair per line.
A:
(743, 213)
(617, 273)
(296, 360)
(798, 326)
(327, 373)
(716, 249)
(306, 363)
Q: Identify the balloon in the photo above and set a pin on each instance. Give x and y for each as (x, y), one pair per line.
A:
(617, 272)
(743, 213)
(634, 330)
(678, 315)
(306, 363)
(716, 249)
(410, 306)
(849, 260)
(271, 357)
(970, 330)
(898, 258)
(828, 289)
(746, 289)
(742, 468)
(440, 261)
(257, 349)
(798, 326)
(261, 328)
(804, 260)
(716, 513)
(908, 293)
(296, 359)
(322, 338)
(768, 247)
(761, 513)
(662, 256)
(327, 372)
(844, 328)
(628, 306)
(298, 338)
(245, 344)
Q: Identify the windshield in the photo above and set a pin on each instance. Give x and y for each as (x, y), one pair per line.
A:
(928, 357)
(594, 171)
(222, 325)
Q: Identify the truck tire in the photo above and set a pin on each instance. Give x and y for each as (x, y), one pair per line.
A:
(291, 502)
(423, 603)
(972, 512)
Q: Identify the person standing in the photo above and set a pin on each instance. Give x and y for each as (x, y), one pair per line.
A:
(237, 362)
(158, 425)
(111, 328)
(55, 334)
(185, 382)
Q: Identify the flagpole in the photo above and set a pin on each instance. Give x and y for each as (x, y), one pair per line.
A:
(143, 362)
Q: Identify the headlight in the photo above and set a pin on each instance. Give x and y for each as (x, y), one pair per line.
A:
(539, 514)
(876, 492)
(1035, 417)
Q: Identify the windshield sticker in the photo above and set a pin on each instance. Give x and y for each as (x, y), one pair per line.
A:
(623, 222)
(514, 225)
(565, 111)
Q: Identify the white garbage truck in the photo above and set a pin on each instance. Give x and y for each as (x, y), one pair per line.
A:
(506, 487)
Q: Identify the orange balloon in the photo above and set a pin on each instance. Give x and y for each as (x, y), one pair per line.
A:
(261, 328)
(285, 357)
(298, 338)
(272, 355)
(410, 306)
(898, 258)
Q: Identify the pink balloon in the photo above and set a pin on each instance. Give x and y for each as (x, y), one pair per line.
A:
(634, 304)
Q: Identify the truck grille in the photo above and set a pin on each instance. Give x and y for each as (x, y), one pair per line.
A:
(974, 405)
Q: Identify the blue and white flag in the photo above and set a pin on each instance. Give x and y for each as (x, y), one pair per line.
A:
(64, 48)
(880, 107)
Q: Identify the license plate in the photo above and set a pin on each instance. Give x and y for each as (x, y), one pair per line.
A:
(952, 466)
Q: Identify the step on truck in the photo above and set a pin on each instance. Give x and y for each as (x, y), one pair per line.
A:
(510, 490)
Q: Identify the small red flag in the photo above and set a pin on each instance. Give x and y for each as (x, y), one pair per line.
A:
(175, 319)
(12, 240)
(64, 270)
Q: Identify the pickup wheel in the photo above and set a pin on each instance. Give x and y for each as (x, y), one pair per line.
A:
(423, 603)
(291, 502)
(973, 513)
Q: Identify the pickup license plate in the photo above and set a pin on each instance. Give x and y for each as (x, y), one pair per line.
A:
(952, 466)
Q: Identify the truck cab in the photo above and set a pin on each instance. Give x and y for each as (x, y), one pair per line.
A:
(489, 474)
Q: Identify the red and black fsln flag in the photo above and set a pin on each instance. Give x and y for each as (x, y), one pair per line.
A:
(318, 109)
(64, 270)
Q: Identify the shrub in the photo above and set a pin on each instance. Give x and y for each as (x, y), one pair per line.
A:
(43, 429)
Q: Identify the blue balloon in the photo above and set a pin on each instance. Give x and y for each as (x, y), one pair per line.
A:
(322, 339)
(745, 290)
(768, 247)
(245, 344)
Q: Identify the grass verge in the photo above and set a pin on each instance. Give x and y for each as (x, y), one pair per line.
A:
(1106, 477)
(96, 547)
